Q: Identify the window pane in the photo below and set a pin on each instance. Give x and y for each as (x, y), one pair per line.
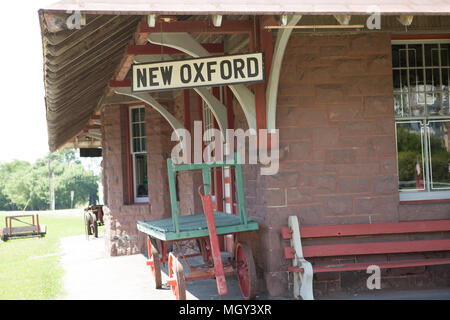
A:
(135, 115)
(410, 156)
(136, 145)
(135, 130)
(396, 79)
(402, 54)
(438, 144)
(434, 104)
(415, 79)
(398, 105)
(404, 80)
(415, 57)
(431, 55)
(396, 55)
(143, 144)
(416, 101)
(141, 181)
(436, 79)
(142, 111)
(445, 74)
(445, 47)
(445, 104)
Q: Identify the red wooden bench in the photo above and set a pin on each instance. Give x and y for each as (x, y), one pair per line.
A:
(303, 270)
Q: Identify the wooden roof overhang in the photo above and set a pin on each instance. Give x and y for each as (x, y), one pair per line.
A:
(77, 67)
(84, 67)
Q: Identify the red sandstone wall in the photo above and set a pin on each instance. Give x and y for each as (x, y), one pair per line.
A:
(337, 149)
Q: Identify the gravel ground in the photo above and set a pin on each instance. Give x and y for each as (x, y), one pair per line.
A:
(91, 275)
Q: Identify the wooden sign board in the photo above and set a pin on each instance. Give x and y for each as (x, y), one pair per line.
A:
(198, 72)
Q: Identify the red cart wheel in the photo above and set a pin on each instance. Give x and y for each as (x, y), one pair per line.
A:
(154, 263)
(176, 278)
(246, 271)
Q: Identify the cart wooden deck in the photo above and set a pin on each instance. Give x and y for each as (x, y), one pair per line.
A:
(195, 226)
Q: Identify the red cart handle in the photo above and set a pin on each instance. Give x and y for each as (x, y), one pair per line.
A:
(215, 249)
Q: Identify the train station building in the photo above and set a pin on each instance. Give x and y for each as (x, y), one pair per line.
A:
(353, 95)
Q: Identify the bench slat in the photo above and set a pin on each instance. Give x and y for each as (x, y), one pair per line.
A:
(382, 265)
(333, 250)
(374, 229)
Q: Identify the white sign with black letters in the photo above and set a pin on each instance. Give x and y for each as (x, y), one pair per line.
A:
(198, 72)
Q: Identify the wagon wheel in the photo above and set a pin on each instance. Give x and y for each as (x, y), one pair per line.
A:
(94, 225)
(91, 224)
(246, 271)
(155, 265)
(87, 223)
(176, 278)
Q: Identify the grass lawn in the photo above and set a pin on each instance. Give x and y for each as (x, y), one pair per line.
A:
(29, 268)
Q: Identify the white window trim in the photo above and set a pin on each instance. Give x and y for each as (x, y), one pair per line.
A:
(419, 195)
(133, 156)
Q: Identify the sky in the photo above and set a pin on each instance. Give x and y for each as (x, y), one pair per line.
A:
(23, 127)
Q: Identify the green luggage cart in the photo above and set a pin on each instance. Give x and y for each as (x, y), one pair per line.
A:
(203, 230)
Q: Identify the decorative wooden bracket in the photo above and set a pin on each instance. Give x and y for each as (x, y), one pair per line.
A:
(148, 99)
(274, 76)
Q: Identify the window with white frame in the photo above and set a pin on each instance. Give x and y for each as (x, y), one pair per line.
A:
(421, 72)
(138, 153)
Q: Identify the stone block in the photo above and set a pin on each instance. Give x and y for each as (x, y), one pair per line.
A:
(272, 197)
(369, 169)
(346, 112)
(325, 137)
(357, 128)
(329, 93)
(323, 184)
(354, 185)
(338, 206)
(300, 150)
(279, 180)
(298, 196)
(313, 117)
(383, 146)
(384, 185)
(340, 156)
(367, 205)
(378, 106)
(286, 117)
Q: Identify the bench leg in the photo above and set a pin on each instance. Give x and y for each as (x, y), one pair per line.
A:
(303, 282)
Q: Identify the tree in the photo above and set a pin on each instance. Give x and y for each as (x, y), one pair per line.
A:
(74, 178)
(12, 187)
(24, 186)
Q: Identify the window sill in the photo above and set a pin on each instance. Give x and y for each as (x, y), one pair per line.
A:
(424, 197)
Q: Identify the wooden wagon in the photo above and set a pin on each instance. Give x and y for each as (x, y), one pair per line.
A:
(29, 226)
(202, 229)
